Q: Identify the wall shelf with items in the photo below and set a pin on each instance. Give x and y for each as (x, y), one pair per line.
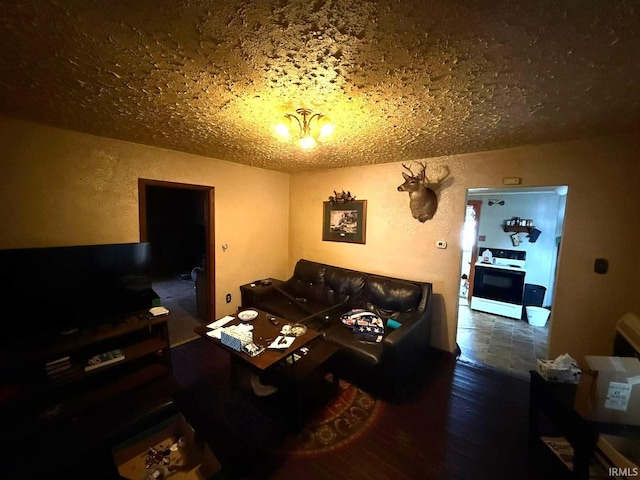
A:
(517, 229)
(517, 224)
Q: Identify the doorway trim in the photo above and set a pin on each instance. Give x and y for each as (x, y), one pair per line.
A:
(209, 221)
(561, 191)
(477, 206)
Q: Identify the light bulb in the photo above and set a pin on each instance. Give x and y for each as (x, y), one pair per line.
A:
(282, 130)
(326, 130)
(307, 142)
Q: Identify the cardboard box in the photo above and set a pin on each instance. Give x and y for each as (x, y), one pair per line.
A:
(615, 397)
(552, 373)
(192, 461)
(621, 452)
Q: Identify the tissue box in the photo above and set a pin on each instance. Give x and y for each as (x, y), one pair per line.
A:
(552, 372)
(235, 339)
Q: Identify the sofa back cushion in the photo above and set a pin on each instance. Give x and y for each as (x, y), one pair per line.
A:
(325, 284)
(307, 281)
(341, 284)
(391, 297)
(329, 285)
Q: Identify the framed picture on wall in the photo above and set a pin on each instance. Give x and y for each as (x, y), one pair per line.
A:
(345, 222)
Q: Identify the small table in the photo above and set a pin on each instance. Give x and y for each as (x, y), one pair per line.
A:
(251, 292)
(280, 363)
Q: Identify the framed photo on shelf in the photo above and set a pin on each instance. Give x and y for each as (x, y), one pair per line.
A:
(345, 222)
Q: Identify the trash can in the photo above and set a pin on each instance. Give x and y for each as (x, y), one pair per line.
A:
(533, 296)
(537, 316)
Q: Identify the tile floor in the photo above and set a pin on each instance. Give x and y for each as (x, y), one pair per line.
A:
(500, 342)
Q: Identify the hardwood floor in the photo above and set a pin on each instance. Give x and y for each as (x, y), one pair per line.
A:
(462, 422)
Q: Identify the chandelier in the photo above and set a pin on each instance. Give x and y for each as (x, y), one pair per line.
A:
(309, 128)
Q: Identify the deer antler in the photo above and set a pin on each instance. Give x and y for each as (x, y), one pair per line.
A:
(421, 175)
(423, 172)
(440, 178)
(408, 168)
(446, 174)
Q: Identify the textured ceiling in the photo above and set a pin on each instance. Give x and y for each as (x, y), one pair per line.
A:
(401, 80)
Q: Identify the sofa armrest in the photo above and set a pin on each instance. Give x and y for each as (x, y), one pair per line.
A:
(405, 347)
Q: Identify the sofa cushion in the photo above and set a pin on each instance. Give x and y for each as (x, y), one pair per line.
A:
(343, 284)
(389, 297)
(360, 352)
(281, 306)
(307, 282)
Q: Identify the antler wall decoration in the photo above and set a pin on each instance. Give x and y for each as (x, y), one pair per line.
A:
(342, 197)
(423, 197)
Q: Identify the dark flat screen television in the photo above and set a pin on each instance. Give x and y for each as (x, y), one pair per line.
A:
(63, 290)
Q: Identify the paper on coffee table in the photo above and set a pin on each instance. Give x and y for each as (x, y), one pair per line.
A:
(221, 322)
(282, 342)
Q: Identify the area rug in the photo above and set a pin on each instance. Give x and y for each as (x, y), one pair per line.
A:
(266, 422)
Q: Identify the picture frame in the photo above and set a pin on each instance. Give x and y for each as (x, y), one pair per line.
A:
(345, 222)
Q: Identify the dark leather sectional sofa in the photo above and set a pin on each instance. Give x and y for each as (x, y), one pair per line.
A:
(318, 294)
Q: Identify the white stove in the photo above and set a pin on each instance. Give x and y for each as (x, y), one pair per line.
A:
(498, 285)
(504, 263)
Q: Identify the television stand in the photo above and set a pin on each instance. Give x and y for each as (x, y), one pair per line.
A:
(118, 322)
(49, 402)
(49, 371)
(69, 332)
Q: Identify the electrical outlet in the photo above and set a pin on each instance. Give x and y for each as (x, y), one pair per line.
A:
(441, 244)
(228, 298)
(601, 266)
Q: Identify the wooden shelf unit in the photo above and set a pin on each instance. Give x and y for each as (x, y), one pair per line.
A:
(28, 388)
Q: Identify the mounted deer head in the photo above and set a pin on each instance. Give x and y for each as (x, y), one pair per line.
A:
(423, 199)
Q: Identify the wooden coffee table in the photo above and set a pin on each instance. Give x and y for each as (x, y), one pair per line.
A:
(279, 364)
(264, 332)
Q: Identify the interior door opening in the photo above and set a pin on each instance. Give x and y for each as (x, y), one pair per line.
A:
(493, 329)
(176, 220)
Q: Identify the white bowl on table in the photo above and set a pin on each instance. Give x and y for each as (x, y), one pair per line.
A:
(247, 315)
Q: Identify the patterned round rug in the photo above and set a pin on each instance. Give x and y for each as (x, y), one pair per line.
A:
(266, 422)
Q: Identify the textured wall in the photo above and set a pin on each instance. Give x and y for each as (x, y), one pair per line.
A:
(59, 187)
(64, 188)
(401, 79)
(601, 221)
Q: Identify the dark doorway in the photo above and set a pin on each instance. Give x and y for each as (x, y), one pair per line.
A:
(176, 219)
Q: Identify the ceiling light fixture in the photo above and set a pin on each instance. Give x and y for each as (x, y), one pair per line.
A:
(310, 130)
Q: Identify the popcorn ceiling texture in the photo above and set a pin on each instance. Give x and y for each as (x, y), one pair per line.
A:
(401, 79)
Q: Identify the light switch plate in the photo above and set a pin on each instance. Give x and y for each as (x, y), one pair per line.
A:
(511, 181)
